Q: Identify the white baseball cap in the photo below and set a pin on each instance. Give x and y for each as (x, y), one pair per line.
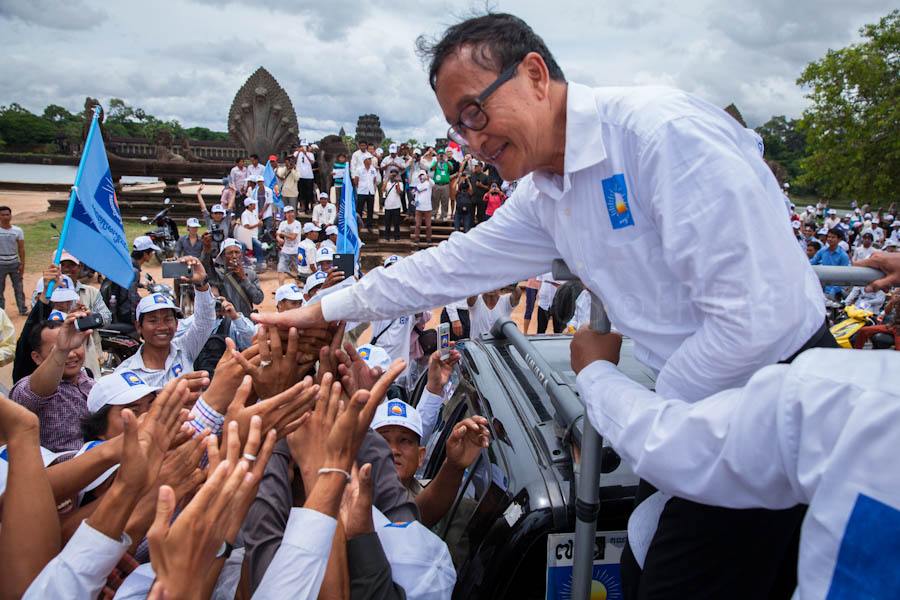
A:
(323, 195)
(391, 260)
(143, 242)
(331, 230)
(831, 211)
(810, 208)
(375, 356)
(379, 151)
(288, 291)
(303, 142)
(66, 256)
(118, 389)
(249, 200)
(795, 224)
(324, 253)
(392, 148)
(48, 457)
(888, 217)
(64, 291)
(310, 227)
(193, 222)
(397, 412)
(823, 231)
(314, 281)
(420, 561)
(229, 243)
(218, 208)
(289, 208)
(154, 302)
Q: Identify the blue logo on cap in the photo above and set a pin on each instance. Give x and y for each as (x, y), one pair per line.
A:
(615, 192)
(294, 288)
(177, 369)
(160, 299)
(132, 378)
(57, 316)
(396, 409)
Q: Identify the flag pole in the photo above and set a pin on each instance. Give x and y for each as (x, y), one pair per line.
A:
(73, 195)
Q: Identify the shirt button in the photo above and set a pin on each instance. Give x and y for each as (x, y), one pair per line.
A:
(568, 212)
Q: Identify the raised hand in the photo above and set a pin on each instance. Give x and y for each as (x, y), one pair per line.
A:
(281, 412)
(271, 369)
(307, 443)
(356, 505)
(466, 441)
(356, 374)
(439, 371)
(16, 421)
(328, 355)
(69, 338)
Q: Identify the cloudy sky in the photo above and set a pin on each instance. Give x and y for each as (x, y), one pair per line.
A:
(337, 59)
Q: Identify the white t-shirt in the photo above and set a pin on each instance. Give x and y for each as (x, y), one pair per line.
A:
(250, 218)
(547, 291)
(305, 164)
(393, 198)
(423, 195)
(395, 339)
(324, 215)
(255, 170)
(862, 253)
(482, 318)
(290, 246)
(306, 255)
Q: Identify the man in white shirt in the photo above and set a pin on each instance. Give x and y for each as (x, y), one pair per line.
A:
(324, 213)
(865, 249)
(238, 176)
(367, 182)
(395, 162)
(486, 308)
(356, 159)
(685, 242)
(306, 250)
(263, 195)
(392, 200)
(828, 443)
(832, 220)
(306, 183)
(330, 241)
(255, 167)
(289, 232)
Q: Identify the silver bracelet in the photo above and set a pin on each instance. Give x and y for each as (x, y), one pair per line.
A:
(324, 470)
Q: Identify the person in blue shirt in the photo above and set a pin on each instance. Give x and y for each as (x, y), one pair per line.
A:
(832, 255)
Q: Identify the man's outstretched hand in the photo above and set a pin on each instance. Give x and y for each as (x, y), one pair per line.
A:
(889, 262)
(305, 317)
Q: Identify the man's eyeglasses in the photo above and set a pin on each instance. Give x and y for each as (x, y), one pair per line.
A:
(472, 116)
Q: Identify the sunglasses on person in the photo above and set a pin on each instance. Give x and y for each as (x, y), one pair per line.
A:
(472, 116)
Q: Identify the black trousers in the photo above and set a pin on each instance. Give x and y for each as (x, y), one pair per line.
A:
(544, 319)
(463, 320)
(710, 552)
(392, 221)
(480, 208)
(366, 201)
(307, 190)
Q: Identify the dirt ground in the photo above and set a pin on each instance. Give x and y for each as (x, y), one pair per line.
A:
(32, 206)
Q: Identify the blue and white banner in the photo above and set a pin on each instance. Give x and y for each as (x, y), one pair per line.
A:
(348, 230)
(271, 182)
(93, 230)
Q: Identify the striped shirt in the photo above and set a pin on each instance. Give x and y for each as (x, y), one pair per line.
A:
(60, 414)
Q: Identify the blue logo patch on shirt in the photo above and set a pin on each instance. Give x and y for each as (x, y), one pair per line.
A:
(400, 524)
(866, 565)
(177, 369)
(615, 192)
(132, 378)
(396, 409)
(363, 353)
(301, 255)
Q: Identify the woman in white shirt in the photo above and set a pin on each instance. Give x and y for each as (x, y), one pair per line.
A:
(423, 206)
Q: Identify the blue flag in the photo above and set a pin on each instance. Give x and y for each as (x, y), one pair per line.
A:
(271, 181)
(93, 231)
(348, 231)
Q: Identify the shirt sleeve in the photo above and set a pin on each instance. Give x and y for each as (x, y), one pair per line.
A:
(511, 246)
(242, 332)
(369, 570)
(81, 569)
(99, 307)
(298, 567)
(429, 408)
(250, 285)
(7, 339)
(701, 201)
(708, 451)
(204, 319)
(205, 416)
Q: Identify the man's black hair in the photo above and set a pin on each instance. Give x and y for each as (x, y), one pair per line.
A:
(256, 156)
(6, 208)
(139, 254)
(869, 235)
(34, 336)
(363, 142)
(836, 231)
(94, 425)
(498, 40)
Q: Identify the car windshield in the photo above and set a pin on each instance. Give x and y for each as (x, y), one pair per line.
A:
(555, 351)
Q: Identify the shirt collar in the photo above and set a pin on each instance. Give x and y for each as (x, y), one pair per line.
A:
(584, 139)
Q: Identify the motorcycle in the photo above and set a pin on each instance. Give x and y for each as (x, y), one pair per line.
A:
(856, 318)
(166, 233)
(117, 343)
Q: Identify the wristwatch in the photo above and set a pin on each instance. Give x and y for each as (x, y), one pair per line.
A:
(224, 550)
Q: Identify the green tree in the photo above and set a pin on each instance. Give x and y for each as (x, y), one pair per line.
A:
(412, 143)
(786, 144)
(385, 143)
(851, 127)
(350, 142)
(23, 129)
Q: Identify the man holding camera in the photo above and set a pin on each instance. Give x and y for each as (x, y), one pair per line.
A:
(218, 222)
(238, 285)
(392, 192)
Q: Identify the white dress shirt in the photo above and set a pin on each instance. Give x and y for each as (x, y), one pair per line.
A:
(392, 201)
(356, 161)
(821, 431)
(255, 170)
(305, 164)
(368, 180)
(262, 208)
(184, 349)
(689, 261)
(394, 336)
(79, 572)
(298, 567)
(324, 215)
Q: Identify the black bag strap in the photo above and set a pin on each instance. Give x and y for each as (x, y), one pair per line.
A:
(375, 339)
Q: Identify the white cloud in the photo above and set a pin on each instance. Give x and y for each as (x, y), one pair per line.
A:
(337, 60)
